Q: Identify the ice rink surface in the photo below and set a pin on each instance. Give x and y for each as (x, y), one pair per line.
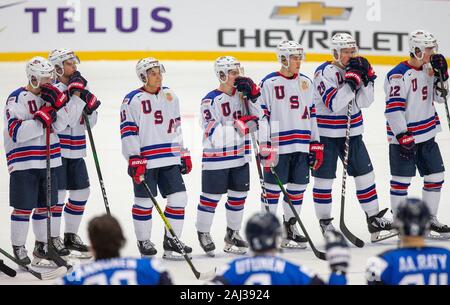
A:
(110, 81)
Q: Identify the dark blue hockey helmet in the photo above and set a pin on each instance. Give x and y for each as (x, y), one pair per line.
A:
(263, 231)
(412, 218)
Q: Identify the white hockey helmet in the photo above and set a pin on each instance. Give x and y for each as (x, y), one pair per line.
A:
(286, 48)
(341, 41)
(58, 56)
(38, 68)
(224, 64)
(421, 40)
(145, 64)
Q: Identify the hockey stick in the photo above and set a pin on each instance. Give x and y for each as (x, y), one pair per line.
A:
(97, 164)
(352, 238)
(198, 275)
(42, 276)
(317, 253)
(445, 99)
(258, 160)
(51, 252)
(7, 270)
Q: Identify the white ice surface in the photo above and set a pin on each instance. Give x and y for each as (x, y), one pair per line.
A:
(111, 80)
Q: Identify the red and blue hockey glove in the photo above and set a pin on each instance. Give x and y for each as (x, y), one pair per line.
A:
(408, 146)
(268, 156)
(52, 95)
(46, 115)
(246, 124)
(76, 83)
(439, 65)
(248, 88)
(315, 156)
(137, 167)
(186, 162)
(92, 103)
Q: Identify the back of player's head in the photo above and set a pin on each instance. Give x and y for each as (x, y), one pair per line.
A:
(412, 217)
(223, 65)
(106, 236)
(286, 48)
(263, 232)
(418, 41)
(38, 68)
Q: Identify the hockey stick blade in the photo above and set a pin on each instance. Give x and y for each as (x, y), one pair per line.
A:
(207, 275)
(42, 276)
(352, 238)
(7, 270)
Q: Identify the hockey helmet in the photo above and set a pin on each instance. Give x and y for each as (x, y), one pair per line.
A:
(263, 231)
(145, 64)
(224, 64)
(412, 217)
(58, 56)
(421, 40)
(341, 41)
(286, 48)
(38, 68)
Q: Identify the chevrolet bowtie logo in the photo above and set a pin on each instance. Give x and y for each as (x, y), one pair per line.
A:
(311, 12)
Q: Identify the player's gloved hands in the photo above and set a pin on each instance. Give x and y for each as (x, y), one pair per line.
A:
(371, 77)
(46, 115)
(76, 83)
(186, 162)
(248, 88)
(337, 251)
(52, 95)
(439, 65)
(246, 124)
(268, 156)
(356, 72)
(92, 103)
(315, 156)
(137, 166)
(407, 145)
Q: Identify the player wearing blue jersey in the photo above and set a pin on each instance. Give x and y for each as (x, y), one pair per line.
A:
(263, 232)
(106, 237)
(29, 112)
(412, 88)
(346, 80)
(72, 175)
(152, 144)
(413, 263)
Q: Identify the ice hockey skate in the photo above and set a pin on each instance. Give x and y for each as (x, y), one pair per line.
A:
(378, 224)
(172, 251)
(326, 225)
(234, 243)
(292, 238)
(206, 243)
(76, 246)
(438, 230)
(40, 256)
(20, 253)
(146, 248)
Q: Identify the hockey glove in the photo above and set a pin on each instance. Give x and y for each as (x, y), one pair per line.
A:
(246, 124)
(137, 166)
(439, 65)
(91, 101)
(52, 95)
(337, 251)
(268, 156)
(76, 83)
(248, 88)
(357, 71)
(46, 115)
(315, 156)
(186, 162)
(407, 145)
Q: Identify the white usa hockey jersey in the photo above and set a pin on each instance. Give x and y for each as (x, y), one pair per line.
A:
(410, 95)
(25, 138)
(223, 147)
(289, 106)
(331, 97)
(151, 127)
(73, 138)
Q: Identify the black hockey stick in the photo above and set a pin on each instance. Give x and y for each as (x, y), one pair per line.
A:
(198, 275)
(258, 160)
(445, 99)
(97, 164)
(42, 276)
(51, 252)
(7, 270)
(352, 238)
(317, 253)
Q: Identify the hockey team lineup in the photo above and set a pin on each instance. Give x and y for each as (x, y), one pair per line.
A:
(291, 134)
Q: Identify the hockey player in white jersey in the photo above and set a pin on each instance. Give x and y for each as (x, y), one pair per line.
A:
(346, 79)
(29, 111)
(411, 89)
(152, 143)
(292, 144)
(72, 175)
(226, 152)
